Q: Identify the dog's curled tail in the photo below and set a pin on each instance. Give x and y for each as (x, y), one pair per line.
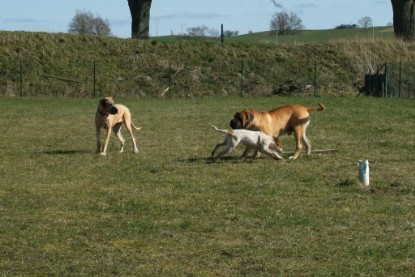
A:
(319, 109)
(137, 128)
(221, 130)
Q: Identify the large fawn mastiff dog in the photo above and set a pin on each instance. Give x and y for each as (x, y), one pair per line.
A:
(283, 120)
(111, 116)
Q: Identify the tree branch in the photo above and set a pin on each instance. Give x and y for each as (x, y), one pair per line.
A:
(276, 4)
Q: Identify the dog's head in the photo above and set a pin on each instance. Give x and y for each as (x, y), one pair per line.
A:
(242, 119)
(107, 105)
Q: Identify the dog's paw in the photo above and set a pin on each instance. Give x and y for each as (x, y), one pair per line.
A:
(102, 154)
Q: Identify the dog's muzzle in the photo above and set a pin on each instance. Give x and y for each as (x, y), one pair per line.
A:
(113, 110)
(235, 124)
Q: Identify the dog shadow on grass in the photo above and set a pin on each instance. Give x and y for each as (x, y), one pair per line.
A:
(209, 160)
(65, 152)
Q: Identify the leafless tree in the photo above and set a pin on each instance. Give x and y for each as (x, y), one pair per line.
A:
(86, 23)
(102, 27)
(198, 31)
(365, 22)
(286, 24)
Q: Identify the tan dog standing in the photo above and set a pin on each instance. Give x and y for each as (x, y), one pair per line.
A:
(111, 116)
(283, 120)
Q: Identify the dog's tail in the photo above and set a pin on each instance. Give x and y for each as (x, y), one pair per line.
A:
(137, 128)
(229, 132)
(318, 109)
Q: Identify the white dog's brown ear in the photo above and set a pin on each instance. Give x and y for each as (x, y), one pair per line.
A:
(277, 141)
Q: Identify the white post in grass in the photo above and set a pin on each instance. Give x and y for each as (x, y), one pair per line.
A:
(364, 172)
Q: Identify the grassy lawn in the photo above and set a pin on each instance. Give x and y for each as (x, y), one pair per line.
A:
(168, 211)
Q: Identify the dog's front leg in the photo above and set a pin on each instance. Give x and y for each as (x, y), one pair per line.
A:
(98, 134)
(272, 154)
(107, 139)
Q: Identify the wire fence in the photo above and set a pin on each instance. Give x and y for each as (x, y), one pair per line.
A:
(391, 80)
(167, 79)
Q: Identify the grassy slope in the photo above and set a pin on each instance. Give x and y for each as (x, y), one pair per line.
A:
(137, 68)
(166, 211)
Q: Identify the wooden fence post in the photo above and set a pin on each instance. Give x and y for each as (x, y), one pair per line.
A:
(385, 90)
(95, 78)
(400, 79)
(21, 79)
(242, 78)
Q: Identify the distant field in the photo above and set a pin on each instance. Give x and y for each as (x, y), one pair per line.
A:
(168, 211)
(314, 36)
(309, 36)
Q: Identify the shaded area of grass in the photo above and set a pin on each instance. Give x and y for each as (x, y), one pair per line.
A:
(169, 211)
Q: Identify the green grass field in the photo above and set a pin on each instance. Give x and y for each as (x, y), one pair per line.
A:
(168, 211)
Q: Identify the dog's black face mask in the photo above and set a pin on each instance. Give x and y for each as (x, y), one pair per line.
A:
(239, 122)
(109, 107)
(113, 110)
(236, 122)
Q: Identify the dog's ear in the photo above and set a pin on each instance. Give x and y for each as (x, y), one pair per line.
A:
(250, 117)
(277, 141)
(102, 102)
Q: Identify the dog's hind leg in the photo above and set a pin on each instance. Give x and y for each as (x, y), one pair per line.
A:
(130, 130)
(298, 136)
(224, 152)
(216, 147)
(305, 140)
(230, 143)
(117, 131)
(307, 144)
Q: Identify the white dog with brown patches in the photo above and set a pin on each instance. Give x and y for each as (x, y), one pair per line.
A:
(251, 139)
(111, 117)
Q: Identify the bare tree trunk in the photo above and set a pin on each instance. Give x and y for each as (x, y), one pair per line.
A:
(140, 18)
(404, 19)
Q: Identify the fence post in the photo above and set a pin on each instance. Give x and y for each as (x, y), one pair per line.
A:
(95, 78)
(242, 78)
(21, 78)
(170, 79)
(385, 91)
(315, 79)
(222, 34)
(400, 79)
